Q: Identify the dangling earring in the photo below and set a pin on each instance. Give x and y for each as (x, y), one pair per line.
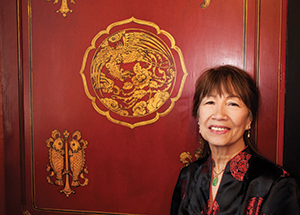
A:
(249, 131)
(199, 128)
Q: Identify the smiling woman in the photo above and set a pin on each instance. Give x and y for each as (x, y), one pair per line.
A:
(232, 178)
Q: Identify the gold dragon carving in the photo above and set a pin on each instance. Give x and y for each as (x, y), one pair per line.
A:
(66, 161)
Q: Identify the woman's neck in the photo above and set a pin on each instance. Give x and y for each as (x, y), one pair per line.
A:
(221, 155)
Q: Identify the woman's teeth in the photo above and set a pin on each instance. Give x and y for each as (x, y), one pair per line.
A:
(217, 129)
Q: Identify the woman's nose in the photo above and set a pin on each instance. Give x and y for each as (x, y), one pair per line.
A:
(220, 113)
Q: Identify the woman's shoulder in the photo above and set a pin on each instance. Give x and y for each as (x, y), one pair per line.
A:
(260, 166)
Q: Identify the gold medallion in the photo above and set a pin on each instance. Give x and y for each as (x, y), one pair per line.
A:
(133, 73)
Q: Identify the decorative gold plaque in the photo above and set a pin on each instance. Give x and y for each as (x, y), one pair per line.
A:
(132, 72)
(66, 162)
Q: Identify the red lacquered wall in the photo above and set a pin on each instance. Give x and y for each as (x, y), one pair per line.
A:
(126, 164)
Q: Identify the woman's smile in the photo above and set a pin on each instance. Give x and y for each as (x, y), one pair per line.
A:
(219, 129)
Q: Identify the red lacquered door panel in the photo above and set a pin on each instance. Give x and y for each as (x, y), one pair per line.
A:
(108, 88)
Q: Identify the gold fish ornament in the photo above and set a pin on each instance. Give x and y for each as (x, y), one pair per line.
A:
(77, 159)
(56, 157)
(67, 159)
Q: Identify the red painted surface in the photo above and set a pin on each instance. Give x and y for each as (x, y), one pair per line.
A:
(135, 170)
(281, 82)
(271, 59)
(10, 122)
(2, 164)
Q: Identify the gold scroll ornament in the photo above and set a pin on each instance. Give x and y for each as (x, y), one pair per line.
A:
(66, 162)
(205, 4)
(133, 72)
(64, 7)
(186, 158)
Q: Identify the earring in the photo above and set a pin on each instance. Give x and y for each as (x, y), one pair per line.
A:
(249, 131)
(199, 128)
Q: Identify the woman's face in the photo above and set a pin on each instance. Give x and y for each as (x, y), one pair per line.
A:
(223, 120)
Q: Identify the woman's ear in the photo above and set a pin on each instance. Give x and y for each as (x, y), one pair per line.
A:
(250, 118)
(248, 127)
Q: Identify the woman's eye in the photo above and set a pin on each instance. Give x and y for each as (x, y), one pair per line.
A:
(234, 104)
(209, 103)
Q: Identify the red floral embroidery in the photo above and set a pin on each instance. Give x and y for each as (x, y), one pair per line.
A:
(254, 205)
(214, 211)
(239, 165)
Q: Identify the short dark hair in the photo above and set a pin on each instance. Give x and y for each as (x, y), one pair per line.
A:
(232, 80)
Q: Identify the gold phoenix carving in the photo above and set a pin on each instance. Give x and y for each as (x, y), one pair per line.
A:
(66, 161)
(132, 73)
(64, 7)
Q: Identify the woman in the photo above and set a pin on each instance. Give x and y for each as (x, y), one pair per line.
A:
(232, 178)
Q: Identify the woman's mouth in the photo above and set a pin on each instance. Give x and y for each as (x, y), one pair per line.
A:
(219, 129)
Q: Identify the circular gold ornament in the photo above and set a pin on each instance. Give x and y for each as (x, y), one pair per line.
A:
(133, 73)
